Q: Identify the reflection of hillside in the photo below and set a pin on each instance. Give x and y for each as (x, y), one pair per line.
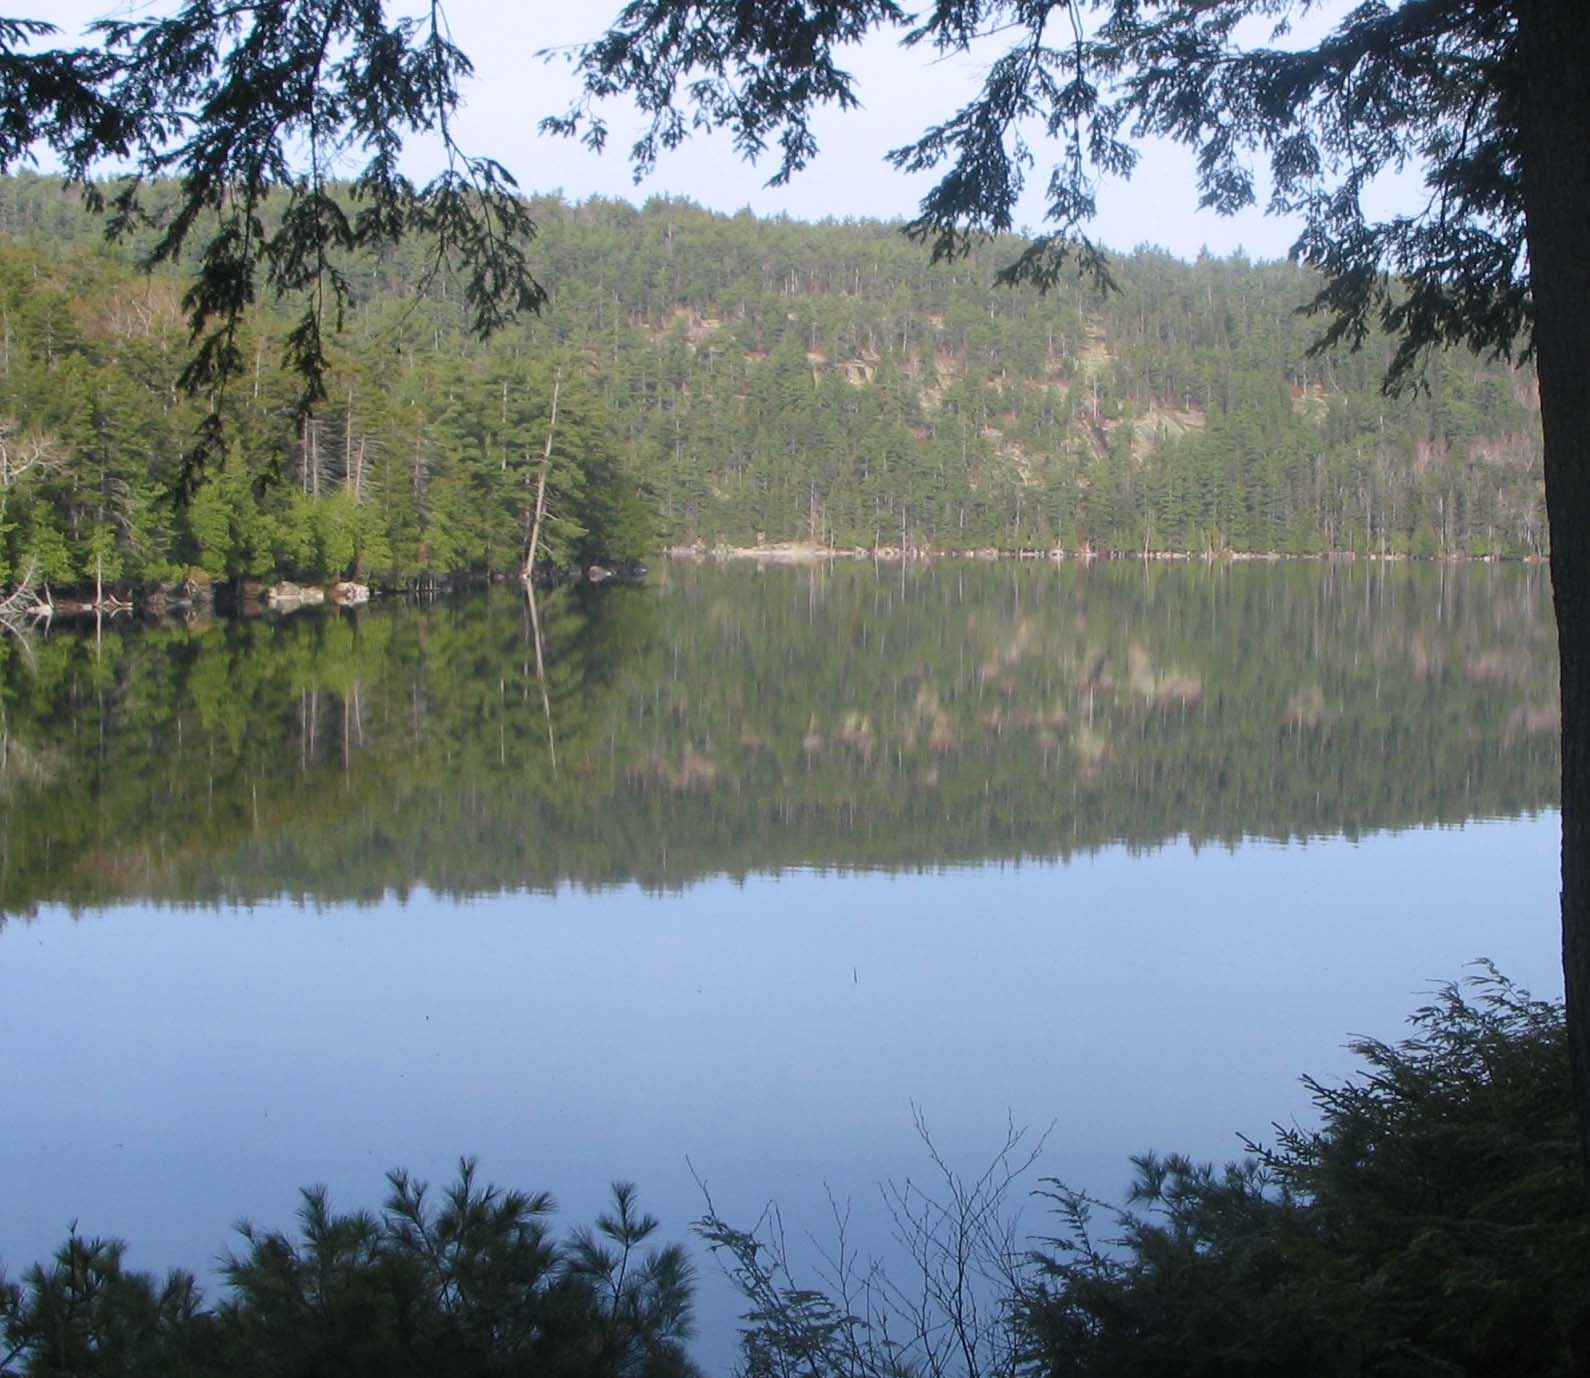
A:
(729, 722)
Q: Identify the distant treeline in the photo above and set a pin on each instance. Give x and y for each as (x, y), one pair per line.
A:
(733, 379)
(730, 723)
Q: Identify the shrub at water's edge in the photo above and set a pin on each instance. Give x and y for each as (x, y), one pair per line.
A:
(1435, 1222)
(472, 1283)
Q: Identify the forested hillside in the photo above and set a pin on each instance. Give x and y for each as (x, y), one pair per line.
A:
(725, 379)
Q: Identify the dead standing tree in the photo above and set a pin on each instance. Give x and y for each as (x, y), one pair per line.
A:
(538, 509)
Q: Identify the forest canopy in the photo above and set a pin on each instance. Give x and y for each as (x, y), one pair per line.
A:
(731, 379)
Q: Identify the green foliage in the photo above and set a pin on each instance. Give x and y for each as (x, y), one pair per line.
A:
(84, 1316)
(236, 116)
(472, 1284)
(724, 379)
(44, 549)
(416, 470)
(1434, 1222)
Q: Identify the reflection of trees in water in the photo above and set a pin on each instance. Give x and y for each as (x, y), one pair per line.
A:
(538, 642)
(1020, 711)
(734, 721)
(322, 753)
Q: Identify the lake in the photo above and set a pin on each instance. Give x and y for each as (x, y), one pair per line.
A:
(779, 861)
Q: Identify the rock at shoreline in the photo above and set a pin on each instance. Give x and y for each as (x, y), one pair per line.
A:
(289, 595)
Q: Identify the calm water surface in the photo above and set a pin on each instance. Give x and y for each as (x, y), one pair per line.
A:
(777, 858)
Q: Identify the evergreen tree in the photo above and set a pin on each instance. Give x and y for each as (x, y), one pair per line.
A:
(472, 1283)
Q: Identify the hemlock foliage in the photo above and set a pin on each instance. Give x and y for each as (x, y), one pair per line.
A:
(242, 111)
(1070, 88)
(1434, 1223)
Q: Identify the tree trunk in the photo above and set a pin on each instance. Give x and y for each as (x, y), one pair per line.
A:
(1555, 80)
(539, 510)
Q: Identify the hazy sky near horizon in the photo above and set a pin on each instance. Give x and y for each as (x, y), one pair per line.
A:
(902, 93)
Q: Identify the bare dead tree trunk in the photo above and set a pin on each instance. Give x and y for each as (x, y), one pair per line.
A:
(309, 457)
(22, 604)
(538, 511)
(352, 456)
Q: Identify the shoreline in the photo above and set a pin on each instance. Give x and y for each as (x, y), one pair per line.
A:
(257, 597)
(811, 553)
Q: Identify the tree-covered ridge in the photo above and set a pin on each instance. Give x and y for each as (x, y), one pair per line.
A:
(828, 382)
(727, 723)
(745, 379)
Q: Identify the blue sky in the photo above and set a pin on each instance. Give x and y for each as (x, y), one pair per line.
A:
(901, 94)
